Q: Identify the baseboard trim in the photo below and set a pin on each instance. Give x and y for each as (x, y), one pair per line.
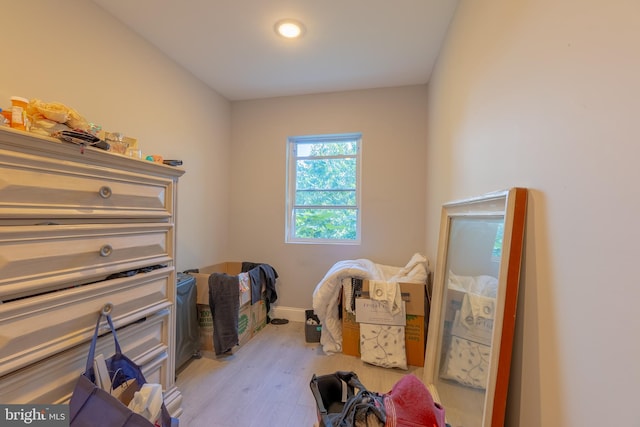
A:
(292, 314)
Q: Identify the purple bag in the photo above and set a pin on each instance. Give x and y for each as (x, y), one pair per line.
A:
(91, 406)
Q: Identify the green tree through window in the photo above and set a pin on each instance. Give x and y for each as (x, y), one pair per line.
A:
(323, 191)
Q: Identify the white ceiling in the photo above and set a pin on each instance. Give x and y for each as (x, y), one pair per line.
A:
(349, 44)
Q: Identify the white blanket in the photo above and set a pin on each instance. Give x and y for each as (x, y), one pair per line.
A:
(326, 296)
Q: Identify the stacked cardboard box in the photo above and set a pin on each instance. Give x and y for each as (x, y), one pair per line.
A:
(417, 316)
(251, 318)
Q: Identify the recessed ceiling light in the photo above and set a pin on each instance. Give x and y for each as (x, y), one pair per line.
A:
(289, 28)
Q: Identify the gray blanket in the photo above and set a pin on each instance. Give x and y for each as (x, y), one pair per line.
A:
(224, 301)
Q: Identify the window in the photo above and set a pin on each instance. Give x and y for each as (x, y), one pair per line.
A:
(323, 189)
(496, 254)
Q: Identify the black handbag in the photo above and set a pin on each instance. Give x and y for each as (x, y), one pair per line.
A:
(339, 405)
(409, 403)
(91, 406)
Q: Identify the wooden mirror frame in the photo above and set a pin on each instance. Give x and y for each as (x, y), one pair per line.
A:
(511, 206)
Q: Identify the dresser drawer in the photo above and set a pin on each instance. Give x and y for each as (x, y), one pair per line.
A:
(37, 259)
(32, 329)
(45, 188)
(71, 220)
(52, 380)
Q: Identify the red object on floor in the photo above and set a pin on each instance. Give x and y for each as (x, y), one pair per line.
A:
(409, 404)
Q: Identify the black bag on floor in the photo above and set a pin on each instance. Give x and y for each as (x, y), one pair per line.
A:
(339, 405)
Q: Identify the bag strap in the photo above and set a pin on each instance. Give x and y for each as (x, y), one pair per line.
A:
(366, 400)
(351, 380)
(316, 395)
(106, 312)
(355, 401)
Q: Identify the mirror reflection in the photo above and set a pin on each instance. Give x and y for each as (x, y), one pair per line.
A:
(473, 307)
(471, 277)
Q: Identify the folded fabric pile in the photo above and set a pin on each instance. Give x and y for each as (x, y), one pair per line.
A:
(384, 345)
(224, 300)
(326, 296)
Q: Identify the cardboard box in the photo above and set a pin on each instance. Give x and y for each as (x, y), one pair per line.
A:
(245, 331)
(202, 280)
(258, 316)
(205, 323)
(417, 315)
(377, 313)
(350, 334)
(251, 318)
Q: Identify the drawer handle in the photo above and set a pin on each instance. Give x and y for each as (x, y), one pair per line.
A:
(105, 192)
(107, 309)
(106, 250)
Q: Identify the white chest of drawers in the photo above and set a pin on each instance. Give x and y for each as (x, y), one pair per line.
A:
(71, 222)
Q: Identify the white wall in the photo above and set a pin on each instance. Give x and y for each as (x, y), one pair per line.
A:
(536, 93)
(75, 53)
(545, 94)
(393, 126)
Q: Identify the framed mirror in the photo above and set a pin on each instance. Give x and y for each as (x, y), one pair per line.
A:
(473, 307)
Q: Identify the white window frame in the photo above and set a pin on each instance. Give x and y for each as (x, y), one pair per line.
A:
(291, 183)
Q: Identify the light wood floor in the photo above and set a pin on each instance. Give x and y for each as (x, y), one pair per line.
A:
(266, 381)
